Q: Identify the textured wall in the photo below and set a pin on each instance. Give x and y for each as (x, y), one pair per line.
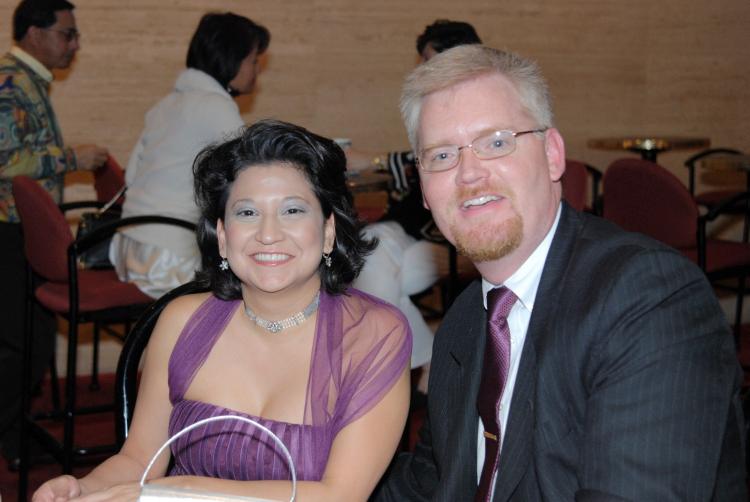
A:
(671, 67)
(679, 67)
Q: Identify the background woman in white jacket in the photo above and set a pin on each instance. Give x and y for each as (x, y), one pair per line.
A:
(222, 62)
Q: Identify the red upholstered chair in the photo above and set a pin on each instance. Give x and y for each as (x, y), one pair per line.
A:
(578, 181)
(642, 196)
(109, 180)
(57, 283)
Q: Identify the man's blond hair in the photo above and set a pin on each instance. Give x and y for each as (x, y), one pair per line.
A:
(468, 62)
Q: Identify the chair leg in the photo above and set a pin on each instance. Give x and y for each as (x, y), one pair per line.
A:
(94, 384)
(54, 381)
(70, 395)
(746, 216)
(26, 375)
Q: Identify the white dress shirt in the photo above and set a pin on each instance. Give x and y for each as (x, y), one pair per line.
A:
(524, 283)
(32, 63)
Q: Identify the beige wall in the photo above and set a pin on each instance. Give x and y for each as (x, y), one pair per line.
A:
(679, 67)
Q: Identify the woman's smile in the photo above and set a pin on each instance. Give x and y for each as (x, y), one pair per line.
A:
(274, 233)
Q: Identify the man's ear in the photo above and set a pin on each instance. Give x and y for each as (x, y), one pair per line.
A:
(554, 148)
(424, 200)
(31, 39)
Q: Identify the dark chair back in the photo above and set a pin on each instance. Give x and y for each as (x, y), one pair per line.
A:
(126, 378)
(46, 234)
(644, 197)
(108, 180)
(575, 185)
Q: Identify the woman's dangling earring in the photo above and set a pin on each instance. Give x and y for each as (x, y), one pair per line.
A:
(327, 259)
(224, 265)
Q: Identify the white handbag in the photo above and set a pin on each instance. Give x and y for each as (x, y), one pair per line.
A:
(157, 493)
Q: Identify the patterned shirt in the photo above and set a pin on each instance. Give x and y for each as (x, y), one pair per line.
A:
(30, 140)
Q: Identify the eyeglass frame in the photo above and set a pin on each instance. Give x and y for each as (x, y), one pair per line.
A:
(70, 33)
(513, 135)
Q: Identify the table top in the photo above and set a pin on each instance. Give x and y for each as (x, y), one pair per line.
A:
(368, 181)
(648, 143)
(737, 162)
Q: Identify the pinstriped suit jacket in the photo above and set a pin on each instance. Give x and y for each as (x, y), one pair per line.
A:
(628, 386)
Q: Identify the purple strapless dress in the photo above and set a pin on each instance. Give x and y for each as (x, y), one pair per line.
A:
(361, 347)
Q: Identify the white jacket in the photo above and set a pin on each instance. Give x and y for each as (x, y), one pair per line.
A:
(159, 174)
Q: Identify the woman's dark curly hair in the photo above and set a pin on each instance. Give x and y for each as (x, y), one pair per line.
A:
(324, 165)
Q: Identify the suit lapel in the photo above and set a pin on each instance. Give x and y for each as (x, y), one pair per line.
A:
(518, 443)
(460, 382)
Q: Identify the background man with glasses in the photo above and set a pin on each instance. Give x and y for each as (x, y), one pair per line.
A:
(31, 144)
(603, 368)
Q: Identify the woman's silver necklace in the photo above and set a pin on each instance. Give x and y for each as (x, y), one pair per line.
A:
(289, 322)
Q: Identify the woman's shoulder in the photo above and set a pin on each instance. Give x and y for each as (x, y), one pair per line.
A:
(177, 314)
(365, 313)
(184, 306)
(198, 98)
(376, 341)
(372, 306)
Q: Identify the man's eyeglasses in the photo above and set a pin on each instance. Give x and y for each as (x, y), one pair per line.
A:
(70, 34)
(492, 146)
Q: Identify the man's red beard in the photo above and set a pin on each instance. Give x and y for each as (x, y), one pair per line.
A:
(490, 241)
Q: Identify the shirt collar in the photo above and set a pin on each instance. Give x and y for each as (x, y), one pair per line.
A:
(32, 63)
(524, 282)
(191, 79)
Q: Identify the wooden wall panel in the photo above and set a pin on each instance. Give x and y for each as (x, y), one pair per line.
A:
(671, 67)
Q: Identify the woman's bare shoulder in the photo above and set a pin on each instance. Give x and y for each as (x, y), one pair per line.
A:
(175, 316)
(184, 306)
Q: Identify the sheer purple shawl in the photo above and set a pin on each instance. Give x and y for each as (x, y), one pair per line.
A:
(361, 347)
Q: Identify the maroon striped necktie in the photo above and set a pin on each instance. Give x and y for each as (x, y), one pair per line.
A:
(494, 375)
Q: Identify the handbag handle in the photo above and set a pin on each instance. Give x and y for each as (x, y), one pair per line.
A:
(111, 202)
(247, 420)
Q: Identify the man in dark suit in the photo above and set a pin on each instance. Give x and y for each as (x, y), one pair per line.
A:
(618, 379)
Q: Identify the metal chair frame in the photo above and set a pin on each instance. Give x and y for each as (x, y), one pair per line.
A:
(126, 376)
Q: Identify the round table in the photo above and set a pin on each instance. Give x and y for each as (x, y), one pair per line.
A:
(649, 146)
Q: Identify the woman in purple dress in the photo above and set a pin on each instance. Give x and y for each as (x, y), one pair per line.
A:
(280, 339)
